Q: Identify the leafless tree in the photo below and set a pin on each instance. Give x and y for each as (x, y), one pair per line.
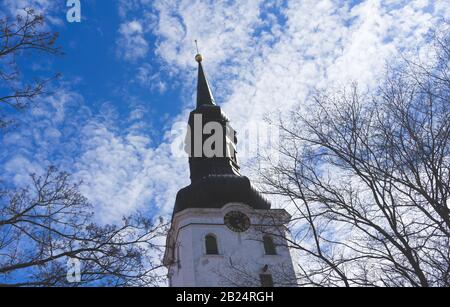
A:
(367, 177)
(49, 224)
(23, 34)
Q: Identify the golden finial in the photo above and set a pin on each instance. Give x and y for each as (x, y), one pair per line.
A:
(198, 57)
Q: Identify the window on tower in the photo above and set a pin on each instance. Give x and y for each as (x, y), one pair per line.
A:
(211, 245)
(269, 246)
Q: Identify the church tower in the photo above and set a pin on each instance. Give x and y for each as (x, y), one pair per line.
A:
(223, 232)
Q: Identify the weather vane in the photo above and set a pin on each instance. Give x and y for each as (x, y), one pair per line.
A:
(198, 57)
(196, 45)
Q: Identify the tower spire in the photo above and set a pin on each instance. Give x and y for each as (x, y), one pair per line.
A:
(219, 193)
(204, 94)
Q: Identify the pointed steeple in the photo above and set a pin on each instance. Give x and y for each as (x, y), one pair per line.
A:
(204, 94)
(215, 179)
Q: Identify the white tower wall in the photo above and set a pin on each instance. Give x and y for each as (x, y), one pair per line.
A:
(241, 257)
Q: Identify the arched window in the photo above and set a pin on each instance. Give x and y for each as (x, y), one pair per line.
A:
(211, 245)
(269, 246)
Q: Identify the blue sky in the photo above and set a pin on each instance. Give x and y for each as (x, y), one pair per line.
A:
(93, 65)
(129, 81)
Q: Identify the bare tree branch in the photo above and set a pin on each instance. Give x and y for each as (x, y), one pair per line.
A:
(24, 34)
(44, 226)
(368, 180)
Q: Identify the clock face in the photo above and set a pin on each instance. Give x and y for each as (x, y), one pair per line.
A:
(237, 221)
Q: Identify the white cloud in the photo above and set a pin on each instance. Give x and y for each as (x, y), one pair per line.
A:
(19, 168)
(122, 173)
(322, 43)
(120, 169)
(223, 29)
(131, 44)
(262, 65)
(259, 61)
(44, 134)
(148, 78)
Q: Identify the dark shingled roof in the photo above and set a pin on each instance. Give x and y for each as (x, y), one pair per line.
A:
(215, 191)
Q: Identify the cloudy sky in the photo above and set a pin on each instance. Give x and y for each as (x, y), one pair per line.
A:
(129, 81)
